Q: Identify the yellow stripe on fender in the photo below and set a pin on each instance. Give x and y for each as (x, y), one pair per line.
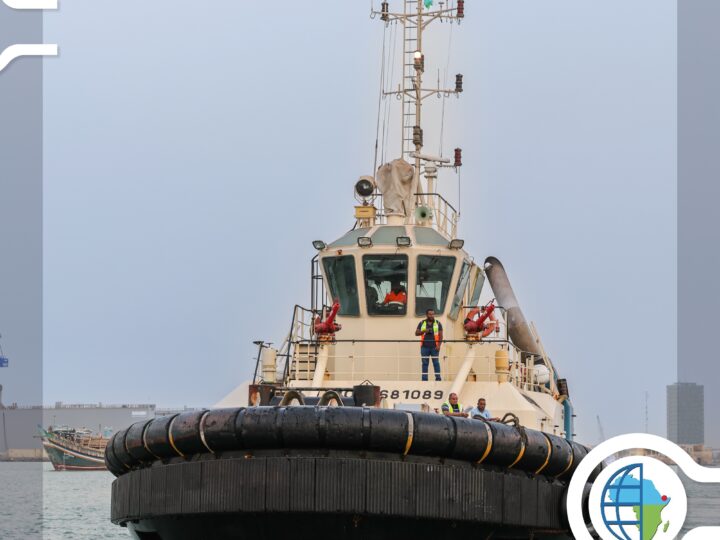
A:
(170, 438)
(411, 431)
(547, 458)
(570, 463)
(520, 454)
(144, 440)
(202, 432)
(489, 444)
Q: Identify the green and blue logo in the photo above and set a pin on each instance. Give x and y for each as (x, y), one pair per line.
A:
(638, 498)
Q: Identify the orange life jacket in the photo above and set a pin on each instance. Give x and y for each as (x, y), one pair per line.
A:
(395, 297)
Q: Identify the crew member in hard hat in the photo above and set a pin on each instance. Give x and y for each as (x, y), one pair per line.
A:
(481, 412)
(397, 294)
(452, 408)
(431, 334)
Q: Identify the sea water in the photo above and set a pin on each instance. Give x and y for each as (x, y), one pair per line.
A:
(36, 502)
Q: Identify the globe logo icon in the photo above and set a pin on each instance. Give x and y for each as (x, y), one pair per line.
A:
(638, 498)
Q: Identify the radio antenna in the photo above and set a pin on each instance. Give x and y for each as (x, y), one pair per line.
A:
(415, 18)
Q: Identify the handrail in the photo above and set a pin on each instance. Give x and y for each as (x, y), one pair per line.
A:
(287, 350)
(521, 373)
(445, 221)
(443, 199)
(299, 364)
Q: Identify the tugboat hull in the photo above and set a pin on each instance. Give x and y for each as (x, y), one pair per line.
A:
(349, 471)
(344, 495)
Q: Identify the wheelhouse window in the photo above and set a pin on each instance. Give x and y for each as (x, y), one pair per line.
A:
(478, 282)
(340, 272)
(386, 284)
(460, 291)
(434, 275)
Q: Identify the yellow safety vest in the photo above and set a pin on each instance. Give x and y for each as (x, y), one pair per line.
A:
(436, 333)
(459, 405)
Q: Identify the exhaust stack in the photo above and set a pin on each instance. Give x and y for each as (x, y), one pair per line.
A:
(518, 328)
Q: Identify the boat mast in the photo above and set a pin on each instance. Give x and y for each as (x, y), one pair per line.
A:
(416, 16)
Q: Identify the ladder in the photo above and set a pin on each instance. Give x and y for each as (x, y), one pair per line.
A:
(410, 81)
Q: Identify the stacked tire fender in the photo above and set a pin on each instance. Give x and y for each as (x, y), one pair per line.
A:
(363, 429)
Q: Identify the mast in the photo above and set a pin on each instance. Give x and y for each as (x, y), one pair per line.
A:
(415, 18)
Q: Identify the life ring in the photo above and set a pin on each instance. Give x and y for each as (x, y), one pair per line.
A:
(490, 326)
(472, 324)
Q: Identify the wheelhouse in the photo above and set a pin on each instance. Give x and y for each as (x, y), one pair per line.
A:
(399, 271)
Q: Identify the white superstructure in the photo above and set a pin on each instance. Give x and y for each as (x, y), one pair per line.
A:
(405, 238)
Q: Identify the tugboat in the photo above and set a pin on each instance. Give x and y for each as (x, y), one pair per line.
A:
(74, 449)
(347, 431)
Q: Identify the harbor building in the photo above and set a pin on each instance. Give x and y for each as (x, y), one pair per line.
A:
(686, 413)
(19, 424)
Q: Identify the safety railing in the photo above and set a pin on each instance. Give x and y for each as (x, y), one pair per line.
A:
(445, 216)
(386, 368)
(524, 376)
(393, 364)
(300, 332)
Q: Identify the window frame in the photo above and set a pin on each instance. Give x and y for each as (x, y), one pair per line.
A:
(440, 309)
(368, 308)
(342, 312)
(477, 286)
(460, 289)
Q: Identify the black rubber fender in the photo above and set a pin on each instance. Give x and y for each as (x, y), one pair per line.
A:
(217, 429)
(111, 462)
(120, 450)
(342, 428)
(507, 445)
(157, 438)
(537, 452)
(135, 442)
(472, 439)
(433, 435)
(390, 430)
(300, 427)
(259, 427)
(578, 453)
(184, 433)
(346, 427)
(562, 456)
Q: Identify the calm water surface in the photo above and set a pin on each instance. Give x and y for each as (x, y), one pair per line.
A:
(76, 504)
(38, 503)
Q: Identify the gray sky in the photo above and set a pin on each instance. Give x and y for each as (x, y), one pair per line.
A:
(191, 155)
